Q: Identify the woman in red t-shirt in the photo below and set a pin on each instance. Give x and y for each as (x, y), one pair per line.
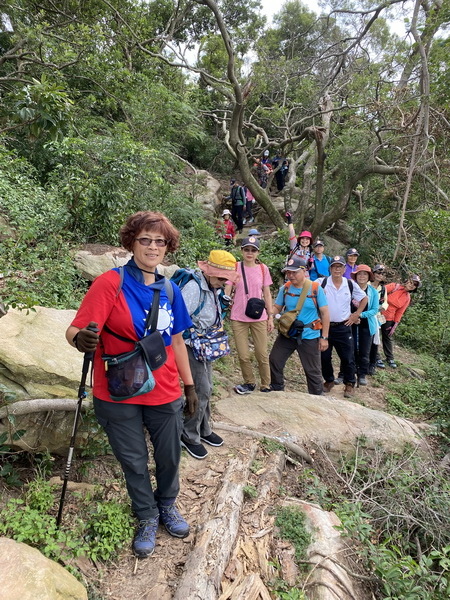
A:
(119, 308)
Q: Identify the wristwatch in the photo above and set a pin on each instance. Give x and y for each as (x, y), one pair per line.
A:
(323, 338)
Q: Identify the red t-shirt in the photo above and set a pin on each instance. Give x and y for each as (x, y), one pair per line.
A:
(125, 315)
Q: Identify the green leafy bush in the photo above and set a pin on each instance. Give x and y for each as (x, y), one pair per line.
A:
(290, 521)
(98, 530)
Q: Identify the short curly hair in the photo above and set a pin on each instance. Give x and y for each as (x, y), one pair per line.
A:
(146, 220)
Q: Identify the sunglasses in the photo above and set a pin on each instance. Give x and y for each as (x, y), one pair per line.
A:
(250, 249)
(222, 279)
(145, 241)
(378, 272)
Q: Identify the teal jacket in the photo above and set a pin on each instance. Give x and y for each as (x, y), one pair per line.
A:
(373, 306)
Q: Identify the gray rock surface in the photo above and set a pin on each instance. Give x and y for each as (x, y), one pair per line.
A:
(94, 259)
(208, 193)
(326, 421)
(26, 574)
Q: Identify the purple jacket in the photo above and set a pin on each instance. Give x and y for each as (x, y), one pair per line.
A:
(348, 270)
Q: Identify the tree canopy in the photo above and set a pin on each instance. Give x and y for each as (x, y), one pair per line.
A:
(102, 102)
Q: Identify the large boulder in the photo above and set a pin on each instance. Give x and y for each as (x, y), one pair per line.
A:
(37, 362)
(328, 422)
(26, 574)
(208, 193)
(35, 359)
(94, 259)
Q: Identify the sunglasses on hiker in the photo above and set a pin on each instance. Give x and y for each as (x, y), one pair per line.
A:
(145, 241)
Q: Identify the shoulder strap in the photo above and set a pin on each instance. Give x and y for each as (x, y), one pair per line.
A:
(301, 300)
(350, 286)
(324, 282)
(244, 278)
(122, 275)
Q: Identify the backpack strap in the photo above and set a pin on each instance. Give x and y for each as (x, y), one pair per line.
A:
(167, 285)
(314, 290)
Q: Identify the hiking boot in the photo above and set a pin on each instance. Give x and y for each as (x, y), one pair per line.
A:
(245, 388)
(349, 390)
(362, 380)
(328, 386)
(172, 520)
(212, 439)
(265, 389)
(338, 380)
(392, 364)
(196, 450)
(372, 368)
(380, 364)
(145, 539)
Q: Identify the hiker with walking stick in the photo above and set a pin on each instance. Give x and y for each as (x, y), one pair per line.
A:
(139, 357)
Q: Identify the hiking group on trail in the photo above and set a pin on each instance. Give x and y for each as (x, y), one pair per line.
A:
(146, 333)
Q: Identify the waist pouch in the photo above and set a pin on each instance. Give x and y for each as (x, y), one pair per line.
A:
(254, 308)
(128, 374)
(291, 327)
(209, 346)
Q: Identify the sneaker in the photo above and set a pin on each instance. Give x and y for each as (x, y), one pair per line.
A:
(196, 450)
(349, 390)
(392, 364)
(172, 520)
(265, 389)
(145, 539)
(245, 388)
(362, 380)
(338, 380)
(380, 364)
(328, 386)
(212, 439)
(372, 368)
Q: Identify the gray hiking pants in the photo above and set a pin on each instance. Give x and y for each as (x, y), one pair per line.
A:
(198, 425)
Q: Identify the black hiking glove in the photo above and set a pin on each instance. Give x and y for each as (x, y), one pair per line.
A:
(190, 408)
(86, 339)
(288, 218)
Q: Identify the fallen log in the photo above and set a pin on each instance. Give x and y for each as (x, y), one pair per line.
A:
(214, 542)
(27, 407)
(290, 446)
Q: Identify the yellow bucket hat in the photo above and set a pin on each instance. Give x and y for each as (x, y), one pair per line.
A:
(220, 263)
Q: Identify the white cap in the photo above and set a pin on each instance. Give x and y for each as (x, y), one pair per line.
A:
(226, 212)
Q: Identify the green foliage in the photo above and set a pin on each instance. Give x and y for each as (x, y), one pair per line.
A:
(283, 591)
(250, 491)
(398, 515)
(8, 458)
(271, 445)
(108, 527)
(424, 396)
(100, 529)
(290, 521)
(313, 489)
(42, 106)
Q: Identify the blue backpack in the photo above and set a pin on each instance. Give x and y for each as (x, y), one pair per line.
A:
(181, 277)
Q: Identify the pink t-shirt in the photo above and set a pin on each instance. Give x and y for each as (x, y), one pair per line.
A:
(257, 278)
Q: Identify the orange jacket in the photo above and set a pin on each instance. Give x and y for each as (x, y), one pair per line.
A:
(398, 301)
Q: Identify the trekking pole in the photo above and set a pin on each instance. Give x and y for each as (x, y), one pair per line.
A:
(82, 394)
